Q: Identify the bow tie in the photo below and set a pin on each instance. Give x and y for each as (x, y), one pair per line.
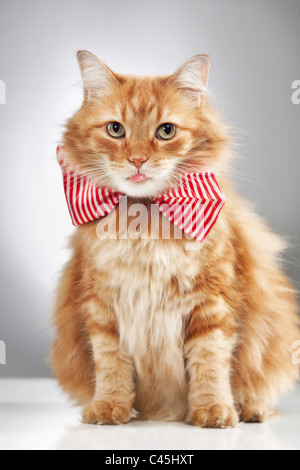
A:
(193, 206)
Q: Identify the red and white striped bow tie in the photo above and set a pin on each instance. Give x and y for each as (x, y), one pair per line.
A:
(194, 206)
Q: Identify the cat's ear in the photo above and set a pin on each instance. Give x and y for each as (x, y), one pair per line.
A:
(97, 77)
(192, 77)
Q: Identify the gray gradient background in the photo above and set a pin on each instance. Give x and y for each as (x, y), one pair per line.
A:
(254, 46)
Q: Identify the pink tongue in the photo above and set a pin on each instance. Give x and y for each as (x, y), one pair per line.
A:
(138, 178)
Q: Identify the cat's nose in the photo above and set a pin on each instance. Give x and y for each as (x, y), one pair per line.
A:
(138, 162)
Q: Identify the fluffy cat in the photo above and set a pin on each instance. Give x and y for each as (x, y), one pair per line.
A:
(144, 326)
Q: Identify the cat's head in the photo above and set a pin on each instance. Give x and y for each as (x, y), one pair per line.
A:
(138, 135)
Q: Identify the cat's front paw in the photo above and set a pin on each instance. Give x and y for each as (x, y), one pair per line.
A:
(103, 412)
(254, 411)
(215, 416)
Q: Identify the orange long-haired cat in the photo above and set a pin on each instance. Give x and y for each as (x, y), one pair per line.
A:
(147, 327)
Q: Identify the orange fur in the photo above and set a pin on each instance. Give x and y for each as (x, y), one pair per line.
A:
(146, 325)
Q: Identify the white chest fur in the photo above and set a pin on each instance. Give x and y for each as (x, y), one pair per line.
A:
(149, 278)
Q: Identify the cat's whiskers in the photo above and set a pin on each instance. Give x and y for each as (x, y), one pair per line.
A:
(250, 181)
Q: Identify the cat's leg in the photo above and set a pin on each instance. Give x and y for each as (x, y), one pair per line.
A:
(208, 352)
(263, 365)
(114, 374)
(250, 385)
(71, 356)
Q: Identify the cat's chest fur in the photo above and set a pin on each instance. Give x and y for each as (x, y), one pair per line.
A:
(149, 281)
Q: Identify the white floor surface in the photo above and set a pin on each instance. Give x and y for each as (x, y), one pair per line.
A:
(34, 415)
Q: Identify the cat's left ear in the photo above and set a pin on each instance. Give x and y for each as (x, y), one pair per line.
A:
(97, 77)
(192, 77)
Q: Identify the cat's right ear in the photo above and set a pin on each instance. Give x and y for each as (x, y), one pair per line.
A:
(97, 77)
(192, 78)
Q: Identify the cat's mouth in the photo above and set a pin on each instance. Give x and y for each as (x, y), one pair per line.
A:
(139, 184)
(138, 178)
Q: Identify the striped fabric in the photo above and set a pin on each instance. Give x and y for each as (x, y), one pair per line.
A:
(194, 206)
(86, 201)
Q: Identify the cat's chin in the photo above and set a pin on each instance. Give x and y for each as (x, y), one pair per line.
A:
(144, 189)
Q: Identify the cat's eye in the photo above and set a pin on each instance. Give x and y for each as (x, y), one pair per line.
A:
(166, 131)
(116, 130)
